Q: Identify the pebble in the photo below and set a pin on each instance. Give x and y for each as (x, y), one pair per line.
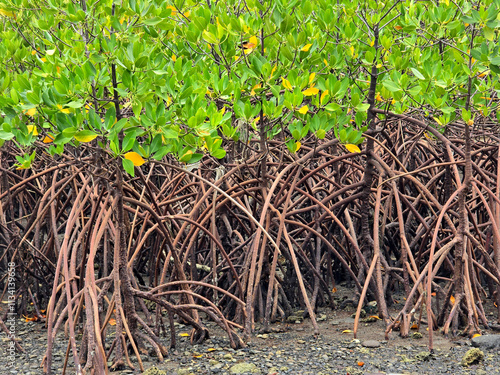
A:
(244, 367)
(371, 343)
(486, 341)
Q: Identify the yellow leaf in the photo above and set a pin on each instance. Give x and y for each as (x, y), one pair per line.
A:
(63, 110)
(323, 94)
(286, 83)
(253, 40)
(211, 350)
(202, 132)
(31, 111)
(187, 14)
(310, 91)
(311, 77)
(326, 62)
(184, 335)
(334, 290)
(484, 74)
(198, 356)
(378, 97)
(48, 139)
(112, 322)
(361, 364)
(257, 86)
(248, 50)
(33, 52)
(135, 158)
(347, 331)
(7, 13)
(452, 300)
(32, 129)
(306, 47)
(172, 8)
(372, 43)
(476, 335)
(414, 326)
(85, 138)
(43, 59)
(470, 122)
(273, 70)
(352, 148)
(304, 109)
(174, 58)
(297, 145)
(375, 317)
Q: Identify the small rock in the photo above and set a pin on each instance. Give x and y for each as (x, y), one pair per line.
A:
(154, 371)
(362, 314)
(472, 356)
(263, 336)
(417, 335)
(371, 307)
(228, 356)
(486, 341)
(370, 344)
(423, 356)
(241, 368)
(183, 371)
(321, 318)
(353, 371)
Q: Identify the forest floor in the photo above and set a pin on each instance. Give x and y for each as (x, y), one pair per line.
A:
(290, 349)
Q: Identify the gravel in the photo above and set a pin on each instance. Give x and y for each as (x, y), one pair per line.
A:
(289, 349)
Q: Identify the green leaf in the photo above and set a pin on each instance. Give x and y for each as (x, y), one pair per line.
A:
(218, 153)
(84, 136)
(128, 166)
(417, 73)
(209, 37)
(391, 86)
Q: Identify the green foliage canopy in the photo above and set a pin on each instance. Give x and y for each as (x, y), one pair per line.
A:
(143, 79)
